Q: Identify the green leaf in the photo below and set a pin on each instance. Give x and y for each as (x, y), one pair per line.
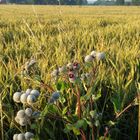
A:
(68, 128)
(64, 110)
(50, 108)
(62, 100)
(89, 123)
(111, 123)
(61, 85)
(76, 131)
(116, 103)
(97, 96)
(34, 126)
(91, 91)
(97, 123)
(38, 78)
(81, 124)
(93, 113)
(54, 109)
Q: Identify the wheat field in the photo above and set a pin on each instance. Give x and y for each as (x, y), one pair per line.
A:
(55, 36)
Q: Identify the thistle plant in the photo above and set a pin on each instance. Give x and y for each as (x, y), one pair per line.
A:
(23, 117)
(81, 84)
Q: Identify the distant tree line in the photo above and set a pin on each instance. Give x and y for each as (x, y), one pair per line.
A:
(73, 2)
(116, 2)
(55, 2)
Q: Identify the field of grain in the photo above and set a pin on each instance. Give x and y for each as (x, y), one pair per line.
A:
(102, 107)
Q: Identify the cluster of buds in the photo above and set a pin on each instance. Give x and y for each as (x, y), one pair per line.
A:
(70, 69)
(23, 116)
(30, 96)
(55, 96)
(23, 136)
(73, 66)
(93, 55)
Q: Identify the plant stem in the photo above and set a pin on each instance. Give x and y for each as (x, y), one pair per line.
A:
(79, 112)
(92, 132)
(78, 103)
(83, 135)
(119, 114)
(91, 108)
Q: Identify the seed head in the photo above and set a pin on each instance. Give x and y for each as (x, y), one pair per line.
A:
(16, 97)
(28, 91)
(31, 99)
(76, 65)
(70, 66)
(23, 98)
(17, 119)
(21, 136)
(93, 53)
(35, 93)
(56, 95)
(89, 58)
(100, 56)
(28, 112)
(29, 135)
(15, 137)
(23, 121)
(21, 114)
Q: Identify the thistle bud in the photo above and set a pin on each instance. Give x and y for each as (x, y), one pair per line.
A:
(56, 95)
(70, 66)
(21, 136)
(16, 97)
(72, 77)
(35, 93)
(23, 98)
(23, 121)
(100, 56)
(28, 91)
(15, 137)
(17, 119)
(89, 58)
(76, 65)
(29, 135)
(21, 114)
(31, 99)
(93, 53)
(28, 112)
